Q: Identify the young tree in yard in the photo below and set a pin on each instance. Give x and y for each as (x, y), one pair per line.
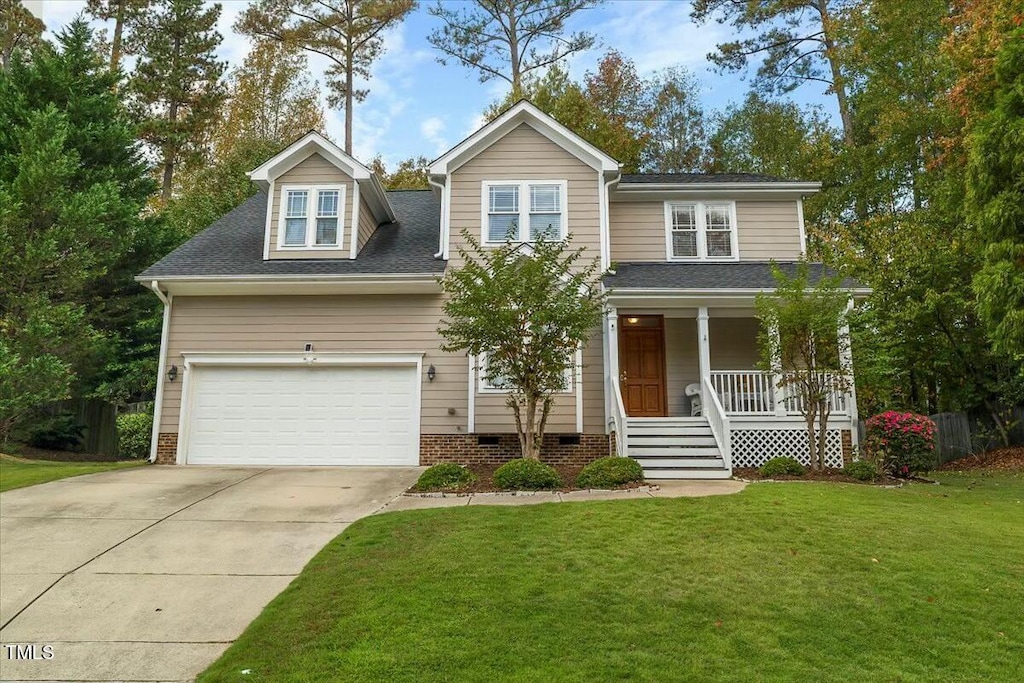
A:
(508, 39)
(176, 87)
(529, 309)
(20, 30)
(801, 346)
(995, 187)
(347, 32)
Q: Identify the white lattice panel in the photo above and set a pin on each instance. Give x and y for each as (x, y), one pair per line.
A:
(754, 447)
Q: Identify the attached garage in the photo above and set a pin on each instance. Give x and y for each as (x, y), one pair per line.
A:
(345, 412)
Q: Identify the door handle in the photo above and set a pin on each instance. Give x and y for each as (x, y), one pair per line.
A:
(622, 376)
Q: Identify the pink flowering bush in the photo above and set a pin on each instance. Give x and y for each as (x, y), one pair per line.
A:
(902, 443)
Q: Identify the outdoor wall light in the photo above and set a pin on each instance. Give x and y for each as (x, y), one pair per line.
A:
(632, 321)
(431, 373)
(172, 374)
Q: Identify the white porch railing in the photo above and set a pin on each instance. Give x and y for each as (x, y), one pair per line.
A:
(719, 422)
(751, 392)
(619, 421)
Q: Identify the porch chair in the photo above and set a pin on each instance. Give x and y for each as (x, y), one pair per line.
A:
(692, 391)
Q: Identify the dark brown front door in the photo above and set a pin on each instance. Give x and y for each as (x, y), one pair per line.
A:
(642, 364)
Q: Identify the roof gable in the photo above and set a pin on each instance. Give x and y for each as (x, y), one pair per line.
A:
(512, 118)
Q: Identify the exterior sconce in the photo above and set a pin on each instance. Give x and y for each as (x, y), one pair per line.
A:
(172, 374)
(431, 373)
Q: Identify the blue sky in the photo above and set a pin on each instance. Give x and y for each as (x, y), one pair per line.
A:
(418, 106)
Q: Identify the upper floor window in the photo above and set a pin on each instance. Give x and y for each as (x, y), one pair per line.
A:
(700, 230)
(524, 210)
(311, 217)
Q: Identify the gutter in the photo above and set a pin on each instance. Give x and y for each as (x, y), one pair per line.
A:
(297, 277)
(699, 187)
(442, 238)
(158, 399)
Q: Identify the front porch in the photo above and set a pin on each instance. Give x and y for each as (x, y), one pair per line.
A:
(687, 400)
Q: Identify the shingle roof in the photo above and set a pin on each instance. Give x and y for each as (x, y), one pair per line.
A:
(699, 178)
(234, 245)
(704, 276)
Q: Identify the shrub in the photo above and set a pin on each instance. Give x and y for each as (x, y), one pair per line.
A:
(526, 474)
(862, 470)
(134, 431)
(444, 476)
(60, 432)
(609, 472)
(904, 443)
(782, 465)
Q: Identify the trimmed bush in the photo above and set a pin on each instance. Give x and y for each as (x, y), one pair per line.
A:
(609, 472)
(526, 474)
(904, 443)
(445, 476)
(134, 431)
(61, 432)
(783, 465)
(862, 470)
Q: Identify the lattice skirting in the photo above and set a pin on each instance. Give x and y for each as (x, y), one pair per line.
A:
(754, 447)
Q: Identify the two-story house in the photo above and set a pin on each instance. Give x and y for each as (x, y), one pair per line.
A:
(301, 328)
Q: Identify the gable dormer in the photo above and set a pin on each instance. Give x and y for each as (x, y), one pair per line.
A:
(323, 204)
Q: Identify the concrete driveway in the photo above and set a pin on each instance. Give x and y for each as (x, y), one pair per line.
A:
(149, 574)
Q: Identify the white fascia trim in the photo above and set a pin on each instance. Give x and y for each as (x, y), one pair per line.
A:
(270, 217)
(161, 368)
(300, 150)
(523, 112)
(312, 203)
(524, 208)
(700, 187)
(268, 279)
(800, 221)
(299, 358)
(578, 386)
(702, 246)
(683, 293)
(353, 249)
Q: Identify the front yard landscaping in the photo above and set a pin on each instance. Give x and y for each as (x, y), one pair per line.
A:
(18, 472)
(782, 582)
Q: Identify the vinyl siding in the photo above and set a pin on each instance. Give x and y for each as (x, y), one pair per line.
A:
(525, 154)
(358, 324)
(367, 223)
(733, 343)
(766, 230)
(313, 170)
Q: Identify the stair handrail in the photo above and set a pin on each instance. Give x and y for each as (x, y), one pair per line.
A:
(719, 422)
(619, 421)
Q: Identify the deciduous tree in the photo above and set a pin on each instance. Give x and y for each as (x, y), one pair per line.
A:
(19, 30)
(410, 174)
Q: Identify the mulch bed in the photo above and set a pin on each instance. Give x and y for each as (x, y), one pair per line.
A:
(832, 475)
(485, 480)
(32, 453)
(1008, 459)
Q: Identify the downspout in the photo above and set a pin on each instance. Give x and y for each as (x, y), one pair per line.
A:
(442, 237)
(161, 371)
(608, 220)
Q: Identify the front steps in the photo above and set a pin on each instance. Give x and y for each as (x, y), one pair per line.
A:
(675, 448)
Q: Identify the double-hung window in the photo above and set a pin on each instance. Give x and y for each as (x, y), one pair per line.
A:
(499, 384)
(311, 217)
(524, 210)
(701, 231)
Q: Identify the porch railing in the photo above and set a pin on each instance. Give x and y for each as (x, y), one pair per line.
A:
(619, 421)
(719, 422)
(751, 392)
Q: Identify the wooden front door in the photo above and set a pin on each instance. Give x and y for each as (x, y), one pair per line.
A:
(642, 365)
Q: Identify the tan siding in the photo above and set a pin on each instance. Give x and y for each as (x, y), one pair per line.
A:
(367, 223)
(682, 362)
(525, 154)
(362, 324)
(733, 343)
(766, 229)
(314, 169)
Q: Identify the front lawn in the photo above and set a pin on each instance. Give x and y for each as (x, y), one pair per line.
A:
(782, 582)
(18, 472)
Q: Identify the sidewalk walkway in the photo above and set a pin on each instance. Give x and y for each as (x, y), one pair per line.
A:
(663, 489)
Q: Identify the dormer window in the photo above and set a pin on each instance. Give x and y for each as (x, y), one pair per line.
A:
(311, 217)
(701, 231)
(524, 210)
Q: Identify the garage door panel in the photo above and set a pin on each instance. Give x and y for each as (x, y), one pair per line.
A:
(339, 415)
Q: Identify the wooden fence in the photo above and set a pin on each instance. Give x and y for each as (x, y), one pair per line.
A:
(99, 419)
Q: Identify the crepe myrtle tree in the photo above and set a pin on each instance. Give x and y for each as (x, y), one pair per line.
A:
(802, 347)
(528, 308)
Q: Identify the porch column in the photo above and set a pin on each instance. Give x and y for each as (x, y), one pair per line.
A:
(778, 394)
(703, 352)
(846, 366)
(611, 365)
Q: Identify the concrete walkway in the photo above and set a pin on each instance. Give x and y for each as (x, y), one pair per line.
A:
(662, 489)
(149, 574)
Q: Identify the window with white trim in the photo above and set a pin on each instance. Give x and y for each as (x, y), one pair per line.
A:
(500, 385)
(524, 210)
(311, 217)
(701, 231)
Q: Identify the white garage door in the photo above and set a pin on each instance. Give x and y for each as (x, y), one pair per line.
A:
(336, 415)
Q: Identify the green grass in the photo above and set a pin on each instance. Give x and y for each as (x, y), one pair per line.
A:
(18, 472)
(782, 582)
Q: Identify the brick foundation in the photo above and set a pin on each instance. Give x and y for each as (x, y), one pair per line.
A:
(847, 437)
(166, 448)
(466, 449)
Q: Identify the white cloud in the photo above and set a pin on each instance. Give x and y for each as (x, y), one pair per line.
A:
(431, 130)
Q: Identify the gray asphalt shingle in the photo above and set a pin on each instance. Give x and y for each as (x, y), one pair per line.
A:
(233, 245)
(702, 276)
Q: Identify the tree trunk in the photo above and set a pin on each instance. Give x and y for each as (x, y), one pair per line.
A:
(823, 414)
(812, 442)
(115, 46)
(1004, 433)
(838, 82)
(349, 99)
(513, 49)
